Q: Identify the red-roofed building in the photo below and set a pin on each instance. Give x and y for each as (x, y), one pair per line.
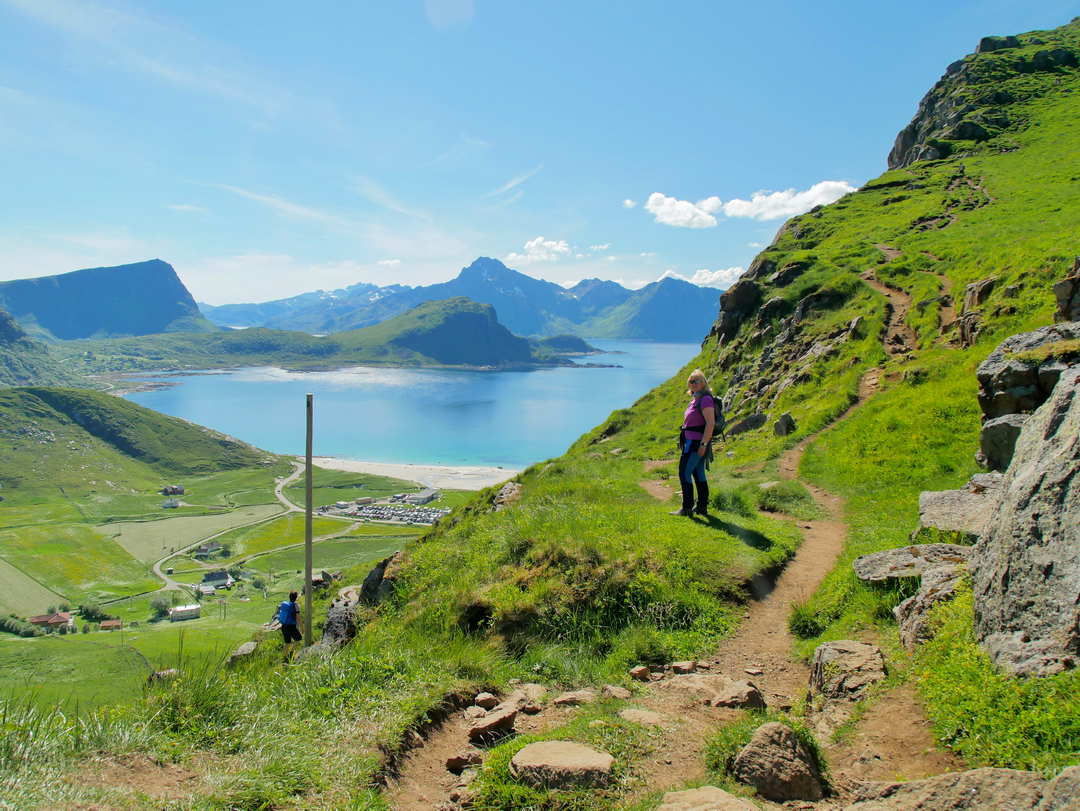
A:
(53, 620)
(112, 625)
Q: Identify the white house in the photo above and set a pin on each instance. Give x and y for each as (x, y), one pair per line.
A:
(184, 612)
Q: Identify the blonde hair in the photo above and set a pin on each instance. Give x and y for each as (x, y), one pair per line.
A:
(697, 374)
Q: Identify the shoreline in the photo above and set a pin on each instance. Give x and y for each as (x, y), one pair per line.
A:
(449, 477)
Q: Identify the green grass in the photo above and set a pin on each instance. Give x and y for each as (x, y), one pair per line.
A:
(269, 535)
(152, 540)
(330, 555)
(329, 486)
(724, 745)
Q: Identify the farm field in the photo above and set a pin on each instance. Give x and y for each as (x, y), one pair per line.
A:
(151, 540)
(331, 555)
(21, 594)
(338, 485)
(283, 531)
(75, 561)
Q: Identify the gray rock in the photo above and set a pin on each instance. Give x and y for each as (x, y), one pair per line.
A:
(1063, 792)
(1027, 565)
(493, 724)
(379, 583)
(845, 668)
(975, 789)
(788, 273)
(718, 690)
(706, 798)
(977, 292)
(736, 304)
(561, 764)
(1053, 58)
(913, 614)
(614, 691)
(997, 440)
(966, 510)
(243, 652)
(909, 561)
(778, 765)
(507, 495)
(987, 44)
(750, 423)
(1008, 385)
(785, 425)
(1067, 293)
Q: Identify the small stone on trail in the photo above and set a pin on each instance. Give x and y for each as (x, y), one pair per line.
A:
(486, 700)
(475, 712)
(684, 667)
(533, 691)
(463, 759)
(614, 691)
(644, 717)
(706, 798)
(845, 668)
(572, 699)
(561, 764)
(532, 708)
(493, 724)
(753, 671)
(640, 672)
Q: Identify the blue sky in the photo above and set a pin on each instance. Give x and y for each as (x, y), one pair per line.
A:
(266, 149)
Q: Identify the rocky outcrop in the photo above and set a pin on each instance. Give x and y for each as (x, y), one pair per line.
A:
(751, 423)
(976, 293)
(1009, 384)
(845, 669)
(736, 304)
(975, 789)
(785, 425)
(507, 495)
(244, 651)
(1027, 565)
(718, 690)
(965, 510)
(778, 765)
(379, 583)
(909, 561)
(561, 764)
(1067, 293)
(706, 798)
(997, 440)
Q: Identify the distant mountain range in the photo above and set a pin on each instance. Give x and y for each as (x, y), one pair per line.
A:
(137, 299)
(455, 333)
(670, 309)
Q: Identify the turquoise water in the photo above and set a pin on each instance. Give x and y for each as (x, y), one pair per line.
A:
(426, 416)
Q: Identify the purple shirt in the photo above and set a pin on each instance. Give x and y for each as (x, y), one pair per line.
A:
(694, 418)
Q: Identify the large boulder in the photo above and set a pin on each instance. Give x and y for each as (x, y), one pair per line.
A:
(736, 303)
(1067, 293)
(975, 789)
(998, 439)
(379, 583)
(785, 425)
(561, 764)
(717, 690)
(1027, 565)
(965, 510)
(1014, 385)
(778, 765)
(844, 669)
(909, 561)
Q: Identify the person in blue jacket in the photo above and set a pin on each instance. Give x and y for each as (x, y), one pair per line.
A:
(699, 422)
(288, 615)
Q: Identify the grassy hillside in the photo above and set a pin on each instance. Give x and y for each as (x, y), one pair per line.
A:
(454, 332)
(24, 361)
(586, 573)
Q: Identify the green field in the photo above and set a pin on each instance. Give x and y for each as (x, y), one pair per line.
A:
(330, 555)
(75, 561)
(283, 531)
(21, 594)
(329, 486)
(151, 540)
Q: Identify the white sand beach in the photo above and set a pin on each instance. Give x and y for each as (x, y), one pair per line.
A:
(452, 478)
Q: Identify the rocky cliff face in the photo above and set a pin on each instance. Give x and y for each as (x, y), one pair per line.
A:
(137, 299)
(969, 104)
(1026, 567)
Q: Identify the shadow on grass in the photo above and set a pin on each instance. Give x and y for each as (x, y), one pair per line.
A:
(750, 537)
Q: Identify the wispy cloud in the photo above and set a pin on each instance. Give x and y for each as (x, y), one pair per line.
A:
(514, 182)
(286, 207)
(628, 203)
(187, 208)
(374, 193)
(601, 247)
(703, 277)
(157, 49)
(389, 263)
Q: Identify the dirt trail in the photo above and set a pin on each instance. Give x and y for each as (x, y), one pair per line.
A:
(899, 337)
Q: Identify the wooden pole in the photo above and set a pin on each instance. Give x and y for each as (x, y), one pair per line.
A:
(307, 527)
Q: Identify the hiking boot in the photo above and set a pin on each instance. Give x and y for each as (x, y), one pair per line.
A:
(682, 511)
(687, 500)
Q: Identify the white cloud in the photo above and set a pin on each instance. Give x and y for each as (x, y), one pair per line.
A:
(374, 193)
(647, 254)
(681, 213)
(286, 207)
(755, 244)
(514, 182)
(707, 278)
(579, 256)
(187, 208)
(628, 203)
(601, 247)
(541, 250)
(389, 263)
(610, 258)
(764, 205)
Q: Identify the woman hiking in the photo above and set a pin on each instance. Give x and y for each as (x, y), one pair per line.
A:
(699, 422)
